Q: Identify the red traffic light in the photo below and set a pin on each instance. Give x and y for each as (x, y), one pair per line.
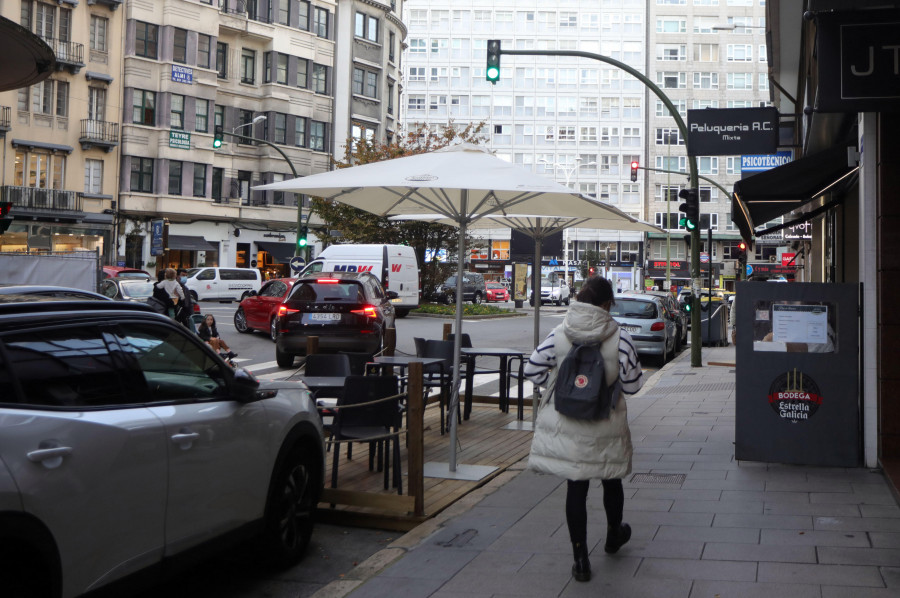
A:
(634, 165)
(742, 246)
(634, 169)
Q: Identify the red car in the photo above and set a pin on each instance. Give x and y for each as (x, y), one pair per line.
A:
(258, 310)
(497, 292)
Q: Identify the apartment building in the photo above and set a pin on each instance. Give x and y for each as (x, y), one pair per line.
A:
(61, 136)
(578, 121)
(702, 54)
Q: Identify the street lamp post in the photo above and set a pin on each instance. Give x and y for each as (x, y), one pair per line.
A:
(300, 228)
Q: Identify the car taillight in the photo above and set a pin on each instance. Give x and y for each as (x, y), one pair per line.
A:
(657, 326)
(367, 310)
(284, 310)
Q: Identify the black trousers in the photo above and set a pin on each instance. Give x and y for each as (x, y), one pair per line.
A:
(576, 506)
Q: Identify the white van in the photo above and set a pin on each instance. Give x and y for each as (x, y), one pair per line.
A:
(224, 284)
(394, 265)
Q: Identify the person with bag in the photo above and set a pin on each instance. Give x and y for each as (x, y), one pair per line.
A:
(185, 309)
(172, 289)
(581, 450)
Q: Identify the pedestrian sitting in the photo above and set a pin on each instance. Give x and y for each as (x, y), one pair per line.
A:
(584, 450)
(210, 335)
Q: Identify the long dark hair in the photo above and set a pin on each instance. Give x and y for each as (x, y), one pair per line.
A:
(204, 325)
(596, 290)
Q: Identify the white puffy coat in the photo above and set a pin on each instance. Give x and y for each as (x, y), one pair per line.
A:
(578, 449)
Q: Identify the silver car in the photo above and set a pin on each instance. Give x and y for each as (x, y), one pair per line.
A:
(651, 326)
(126, 441)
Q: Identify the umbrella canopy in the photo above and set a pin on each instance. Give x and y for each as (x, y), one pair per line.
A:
(463, 183)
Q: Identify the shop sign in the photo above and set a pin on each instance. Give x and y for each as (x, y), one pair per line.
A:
(180, 139)
(182, 74)
(732, 131)
(787, 258)
(795, 396)
(762, 162)
(157, 246)
(858, 61)
(802, 230)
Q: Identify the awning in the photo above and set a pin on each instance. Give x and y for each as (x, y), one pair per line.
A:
(188, 243)
(280, 252)
(776, 192)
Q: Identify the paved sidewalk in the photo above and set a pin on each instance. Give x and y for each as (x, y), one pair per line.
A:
(704, 525)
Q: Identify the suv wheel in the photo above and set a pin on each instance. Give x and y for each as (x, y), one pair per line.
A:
(284, 360)
(566, 301)
(290, 508)
(476, 299)
(240, 321)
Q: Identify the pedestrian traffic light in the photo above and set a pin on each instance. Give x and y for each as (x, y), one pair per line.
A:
(217, 137)
(690, 208)
(634, 169)
(688, 302)
(302, 240)
(492, 73)
(5, 220)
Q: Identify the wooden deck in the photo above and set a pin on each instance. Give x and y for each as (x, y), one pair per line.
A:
(482, 441)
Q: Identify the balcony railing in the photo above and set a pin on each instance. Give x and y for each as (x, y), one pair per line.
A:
(32, 198)
(68, 54)
(233, 7)
(5, 122)
(99, 133)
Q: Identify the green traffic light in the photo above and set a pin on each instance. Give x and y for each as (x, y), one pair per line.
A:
(689, 224)
(493, 74)
(302, 242)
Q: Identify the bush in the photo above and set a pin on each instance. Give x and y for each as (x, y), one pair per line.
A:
(468, 309)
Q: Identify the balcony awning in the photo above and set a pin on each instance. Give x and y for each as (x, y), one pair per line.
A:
(280, 252)
(53, 147)
(189, 243)
(781, 190)
(27, 59)
(91, 75)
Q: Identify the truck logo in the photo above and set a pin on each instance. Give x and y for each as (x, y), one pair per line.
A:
(352, 268)
(395, 267)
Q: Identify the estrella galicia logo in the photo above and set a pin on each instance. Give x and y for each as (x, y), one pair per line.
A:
(795, 396)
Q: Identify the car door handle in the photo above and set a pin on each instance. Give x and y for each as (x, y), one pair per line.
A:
(185, 437)
(50, 457)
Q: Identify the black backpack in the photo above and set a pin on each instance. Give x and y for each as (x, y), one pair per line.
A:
(581, 390)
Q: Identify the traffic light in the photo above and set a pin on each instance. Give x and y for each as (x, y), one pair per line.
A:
(688, 302)
(217, 137)
(302, 240)
(687, 242)
(690, 208)
(742, 252)
(5, 220)
(634, 169)
(492, 73)
(591, 271)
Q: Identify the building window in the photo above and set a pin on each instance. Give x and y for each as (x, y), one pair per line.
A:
(366, 27)
(176, 113)
(392, 41)
(199, 180)
(280, 128)
(175, 171)
(219, 116)
(284, 12)
(304, 15)
(142, 174)
(281, 69)
(201, 115)
(303, 73)
(222, 60)
(179, 46)
(218, 180)
(267, 66)
(99, 27)
(93, 176)
(300, 131)
(390, 98)
(143, 108)
(317, 136)
(320, 22)
(365, 83)
(320, 78)
(146, 40)
(248, 66)
(204, 47)
(42, 97)
(62, 98)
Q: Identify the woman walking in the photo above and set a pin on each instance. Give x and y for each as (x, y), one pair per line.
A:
(209, 334)
(583, 450)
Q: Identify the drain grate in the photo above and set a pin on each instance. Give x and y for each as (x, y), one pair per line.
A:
(658, 478)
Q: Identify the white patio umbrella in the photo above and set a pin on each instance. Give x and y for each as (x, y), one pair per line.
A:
(463, 183)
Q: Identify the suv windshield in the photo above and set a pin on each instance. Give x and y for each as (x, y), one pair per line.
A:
(633, 308)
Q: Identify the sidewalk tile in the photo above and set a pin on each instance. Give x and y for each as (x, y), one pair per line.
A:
(708, 534)
(867, 524)
(882, 557)
(763, 521)
(696, 569)
(849, 497)
(386, 587)
(880, 510)
(724, 484)
(720, 551)
(813, 510)
(811, 538)
(627, 588)
(885, 540)
(542, 584)
(664, 549)
(854, 592)
(430, 563)
(743, 589)
(716, 506)
(767, 497)
(845, 575)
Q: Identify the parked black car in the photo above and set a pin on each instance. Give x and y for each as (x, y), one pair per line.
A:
(474, 289)
(347, 311)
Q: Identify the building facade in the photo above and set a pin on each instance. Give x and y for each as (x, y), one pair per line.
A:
(61, 136)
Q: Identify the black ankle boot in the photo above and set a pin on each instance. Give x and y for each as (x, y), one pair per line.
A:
(581, 570)
(616, 538)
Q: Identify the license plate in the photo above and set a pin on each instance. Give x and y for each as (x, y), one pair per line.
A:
(396, 300)
(326, 317)
(631, 328)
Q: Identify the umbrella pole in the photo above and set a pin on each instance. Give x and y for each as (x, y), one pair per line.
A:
(536, 283)
(457, 337)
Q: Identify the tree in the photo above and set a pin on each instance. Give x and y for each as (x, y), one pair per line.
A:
(359, 226)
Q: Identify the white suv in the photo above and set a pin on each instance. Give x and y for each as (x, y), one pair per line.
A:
(553, 292)
(126, 441)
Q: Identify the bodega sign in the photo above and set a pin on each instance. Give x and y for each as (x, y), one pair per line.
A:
(859, 61)
(795, 396)
(732, 131)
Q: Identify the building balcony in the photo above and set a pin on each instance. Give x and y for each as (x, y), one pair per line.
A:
(99, 133)
(46, 202)
(5, 122)
(112, 4)
(69, 55)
